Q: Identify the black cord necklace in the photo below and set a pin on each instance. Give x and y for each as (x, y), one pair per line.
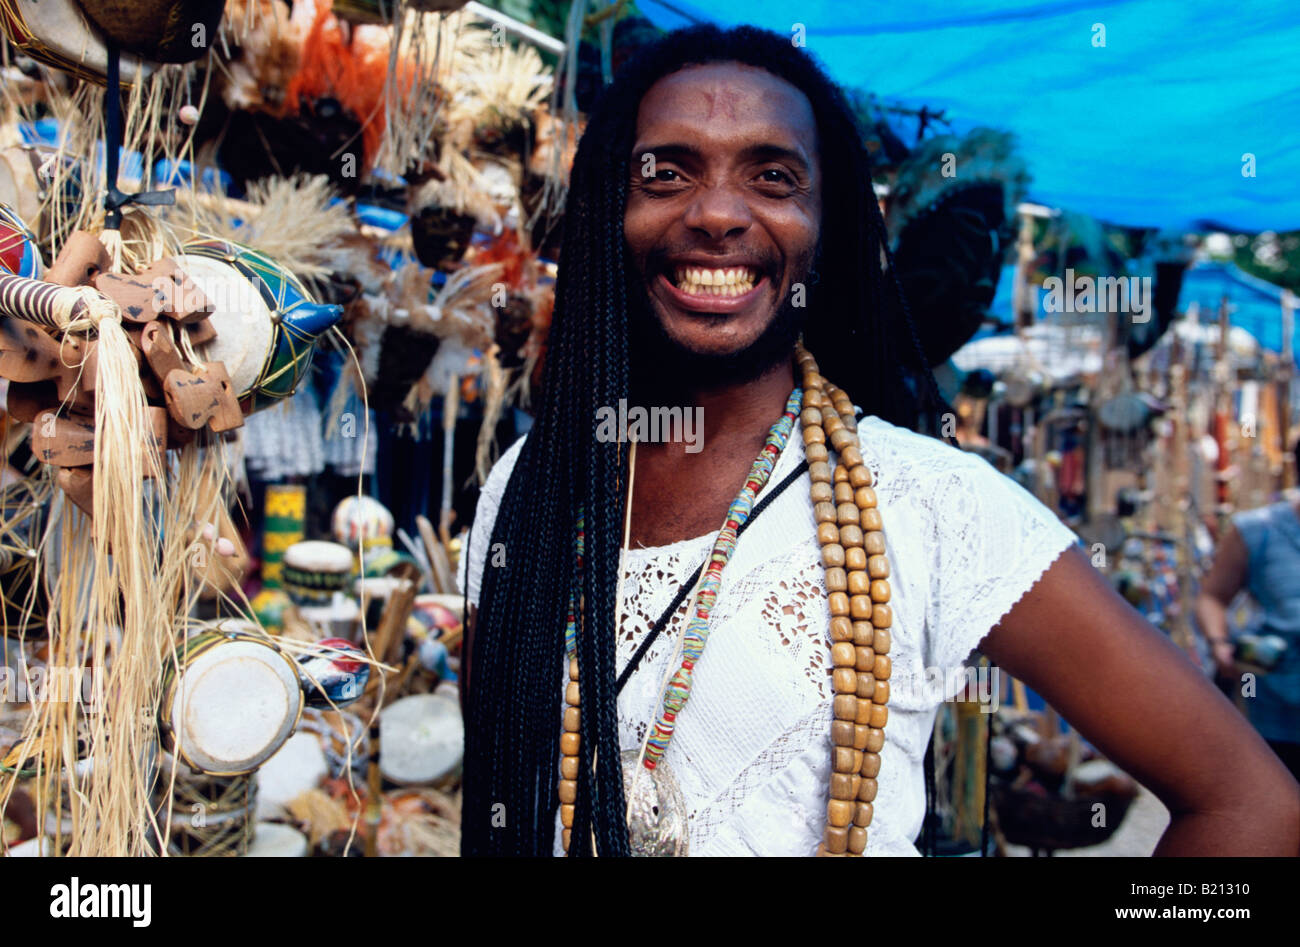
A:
(689, 584)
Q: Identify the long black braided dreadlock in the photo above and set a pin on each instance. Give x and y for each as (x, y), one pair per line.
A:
(513, 706)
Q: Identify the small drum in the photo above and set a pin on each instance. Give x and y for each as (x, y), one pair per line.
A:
(230, 699)
(363, 521)
(313, 571)
(442, 615)
(388, 563)
(57, 33)
(421, 739)
(343, 737)
(19, 255)
(286, 506)
(298, 767)
(273, 840)
(211, 816)
(266, 321)
(333, 675)
(269, 606)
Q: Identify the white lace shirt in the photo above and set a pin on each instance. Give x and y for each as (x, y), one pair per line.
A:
(752, 748)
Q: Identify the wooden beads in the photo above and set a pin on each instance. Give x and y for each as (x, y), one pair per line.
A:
(569, 745)
(853, 551)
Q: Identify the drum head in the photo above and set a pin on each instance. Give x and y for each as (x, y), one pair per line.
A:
(234, 706)
(318, 556)
(273, 840)
(242, 320)
(421, 739)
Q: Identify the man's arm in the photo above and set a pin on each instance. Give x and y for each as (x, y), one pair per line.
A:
(1224, 580)
(1133, 694)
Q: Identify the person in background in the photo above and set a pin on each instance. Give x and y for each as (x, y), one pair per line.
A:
(1261, 552)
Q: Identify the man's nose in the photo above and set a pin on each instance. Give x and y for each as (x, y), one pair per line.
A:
(718, 212)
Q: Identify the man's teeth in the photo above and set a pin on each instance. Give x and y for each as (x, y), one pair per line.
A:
(704, 282)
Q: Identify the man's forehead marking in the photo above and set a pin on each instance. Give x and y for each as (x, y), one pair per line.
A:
(726, 100)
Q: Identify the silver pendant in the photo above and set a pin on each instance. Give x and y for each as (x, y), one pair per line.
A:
(656, 817)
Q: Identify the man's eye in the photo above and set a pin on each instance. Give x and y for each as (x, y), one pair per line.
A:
(775, 176)
(659, 175)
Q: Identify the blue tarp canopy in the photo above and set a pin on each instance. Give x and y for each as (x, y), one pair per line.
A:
(1253, 304)
(1148, 130)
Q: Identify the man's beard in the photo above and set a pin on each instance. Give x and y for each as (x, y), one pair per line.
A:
(662, 367)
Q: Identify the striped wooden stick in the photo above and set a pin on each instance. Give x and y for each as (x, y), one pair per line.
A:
(58, 307)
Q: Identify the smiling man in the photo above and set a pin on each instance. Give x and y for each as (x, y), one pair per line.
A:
(727, 650)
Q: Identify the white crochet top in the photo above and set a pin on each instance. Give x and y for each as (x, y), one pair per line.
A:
(752, 748)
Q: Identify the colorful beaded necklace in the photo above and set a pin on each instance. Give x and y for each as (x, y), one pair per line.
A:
(853, 553)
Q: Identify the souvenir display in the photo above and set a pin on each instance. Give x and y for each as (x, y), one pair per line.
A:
(179, 351)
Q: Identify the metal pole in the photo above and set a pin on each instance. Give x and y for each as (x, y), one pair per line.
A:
(522, 30)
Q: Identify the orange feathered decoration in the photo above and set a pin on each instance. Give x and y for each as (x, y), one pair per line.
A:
(349, 64)
(506, 250)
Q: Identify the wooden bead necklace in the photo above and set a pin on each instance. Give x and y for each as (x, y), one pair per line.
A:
(857, 571)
